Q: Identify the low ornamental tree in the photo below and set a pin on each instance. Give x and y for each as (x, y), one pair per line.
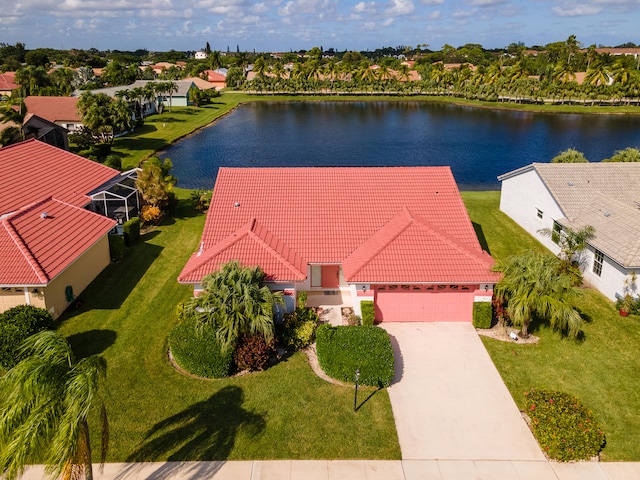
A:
(531, 285)
(236, 302)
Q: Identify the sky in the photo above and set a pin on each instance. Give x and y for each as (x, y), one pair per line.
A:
(291, 25)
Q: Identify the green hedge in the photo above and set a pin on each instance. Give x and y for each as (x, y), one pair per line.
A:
(117, 248)
(16, 324)
(482, 314)
(368, 312)
(131, 231)
(199, 352)
(564, 428)
(342, 350)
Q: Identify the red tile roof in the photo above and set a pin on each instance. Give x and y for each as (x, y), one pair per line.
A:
(54, 109)
(36, 246)
(32, 170)
(8, 81)
(391, 224)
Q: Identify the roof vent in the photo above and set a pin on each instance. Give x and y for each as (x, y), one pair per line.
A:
(236, 205)
(44, 215)
(606, 214)
(570, 184)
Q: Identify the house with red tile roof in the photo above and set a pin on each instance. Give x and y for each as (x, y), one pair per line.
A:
(215, 78)
(8, 84)
(398, 236)
(62, 111)
(53, 227)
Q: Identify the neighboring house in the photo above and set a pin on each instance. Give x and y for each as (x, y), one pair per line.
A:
(8, 84)
(201, 83)
(52, 245)
(398, 236)
(201, 55)
(605, 196)
(62, 111)
(35, 127)
(218, 79)
(179, 98)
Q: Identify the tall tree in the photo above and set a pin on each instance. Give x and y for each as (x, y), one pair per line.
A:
(104, 116)
(235, 302)
(532, 287)
(44, 408)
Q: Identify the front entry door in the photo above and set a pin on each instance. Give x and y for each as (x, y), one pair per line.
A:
(330, 276)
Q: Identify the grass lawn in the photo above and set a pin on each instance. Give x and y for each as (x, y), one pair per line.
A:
(157, 414)
(601, 369)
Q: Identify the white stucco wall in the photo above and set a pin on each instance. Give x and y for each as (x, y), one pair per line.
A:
(521, 196)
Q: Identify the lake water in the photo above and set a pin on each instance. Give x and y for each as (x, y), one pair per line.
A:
(478, 144)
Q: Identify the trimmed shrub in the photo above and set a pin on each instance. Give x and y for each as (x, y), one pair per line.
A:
(342, 350)
(298, 328)
(253, 353)
(564, 428)
(482, 314)
(16, 324)
(368, 313)
(131, 230)
(113, 161)
(117, 248)
(198, 351)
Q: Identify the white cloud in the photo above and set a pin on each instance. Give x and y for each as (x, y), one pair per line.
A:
(577, 11)
(432, 2)
(400, 7)
(369, 26)
(487, 3)
(435, 15)
(464, 13)
(260, 8)
(387, 22)
(363, 7)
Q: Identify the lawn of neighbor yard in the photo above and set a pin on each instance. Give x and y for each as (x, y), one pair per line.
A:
(602, 369)
(156, 413)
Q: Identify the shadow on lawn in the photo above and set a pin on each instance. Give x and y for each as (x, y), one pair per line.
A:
(205, 431)
(92, 342)
(481, 238)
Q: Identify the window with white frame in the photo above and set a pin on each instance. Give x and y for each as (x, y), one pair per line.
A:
(539, 213)
(316, 275)
(556, 232)
(598, 260)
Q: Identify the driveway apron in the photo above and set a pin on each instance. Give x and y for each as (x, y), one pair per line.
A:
(448, 400)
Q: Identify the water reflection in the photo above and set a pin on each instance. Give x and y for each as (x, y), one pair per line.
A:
(479, 144)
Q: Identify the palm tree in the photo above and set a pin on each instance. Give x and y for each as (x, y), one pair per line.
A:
(235, 302)
(215, 61)
(570, 241)
(597, 73)
(45, 403)
(15, 115)
(532, 287)
(570, 155)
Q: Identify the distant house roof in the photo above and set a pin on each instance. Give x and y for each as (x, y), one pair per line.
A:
(8, 81)
(395, 224)
(54, 109)
(201, 83)
(603, 195)
(40, 240)
(32, 170)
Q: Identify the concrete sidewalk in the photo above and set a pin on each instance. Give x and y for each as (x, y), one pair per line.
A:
(362, 470)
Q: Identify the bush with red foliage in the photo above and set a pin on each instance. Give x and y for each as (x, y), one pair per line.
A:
(253, 353)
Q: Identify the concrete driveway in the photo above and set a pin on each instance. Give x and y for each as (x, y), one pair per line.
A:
(448, 399)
